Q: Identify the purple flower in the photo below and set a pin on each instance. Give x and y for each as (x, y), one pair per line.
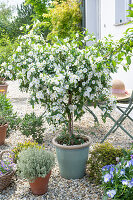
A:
(111, 193)
(107, 177)
(125, 182)
(122, 172)
(107, 167)
(128, 164)
(1, 173)
(131, 182)
(132, 156)
(116, 170)
(2, 164)
(112, 169)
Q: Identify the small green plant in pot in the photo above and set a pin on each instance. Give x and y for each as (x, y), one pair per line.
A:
(35, 165)
(33, 125)
(8, 119)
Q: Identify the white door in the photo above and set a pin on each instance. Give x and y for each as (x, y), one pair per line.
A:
(92, 11)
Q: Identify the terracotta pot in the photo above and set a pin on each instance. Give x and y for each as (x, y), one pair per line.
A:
(3, 88)
(40, 185)
(3, 129)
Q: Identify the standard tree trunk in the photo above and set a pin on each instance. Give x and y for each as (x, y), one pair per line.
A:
(70, 116)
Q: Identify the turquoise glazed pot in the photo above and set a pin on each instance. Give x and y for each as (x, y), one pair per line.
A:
(72, 159)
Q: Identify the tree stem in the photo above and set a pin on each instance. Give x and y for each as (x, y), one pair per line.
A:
(70, 116)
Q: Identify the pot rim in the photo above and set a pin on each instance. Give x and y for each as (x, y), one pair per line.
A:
(79, 146)
(4, 84)
(4, 125)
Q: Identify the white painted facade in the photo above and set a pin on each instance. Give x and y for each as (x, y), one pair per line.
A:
(108, 24)
(100, 19)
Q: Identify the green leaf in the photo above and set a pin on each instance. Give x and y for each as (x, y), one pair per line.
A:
(105, 198)
(114, 63)
(128, 58)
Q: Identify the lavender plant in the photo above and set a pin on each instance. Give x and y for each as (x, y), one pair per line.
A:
(118, 180)
(34, 162)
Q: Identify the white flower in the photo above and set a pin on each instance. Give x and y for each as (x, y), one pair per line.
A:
(30, 53)
(51, 57)
(66, 86)
(66, 39)
(39, 95)
(104, 110)
(32, 69)
(10, 67)
(44, 62)
(41, 75)
(80, 89)
(22, 57)
(86, 38)
(19, 49)
(21, 28)
(3, 64)
(27, 27)
(77, 35)
(83, 83)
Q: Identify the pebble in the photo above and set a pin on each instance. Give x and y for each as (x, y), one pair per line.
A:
(59, 188)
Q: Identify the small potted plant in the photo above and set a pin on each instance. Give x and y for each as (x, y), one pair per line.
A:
(3, 86)
(8, 119)
(7, 168)
(35, 165)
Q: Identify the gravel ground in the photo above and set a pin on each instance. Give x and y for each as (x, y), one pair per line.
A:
(60, 188)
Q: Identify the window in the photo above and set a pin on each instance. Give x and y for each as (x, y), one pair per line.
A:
(121, 7)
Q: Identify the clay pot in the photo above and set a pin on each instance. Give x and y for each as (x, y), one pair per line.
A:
(3, 88)
(3, 129)
(40, 185)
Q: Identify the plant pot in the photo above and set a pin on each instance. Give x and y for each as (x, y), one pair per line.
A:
(3, 88)
(3, 130)
(5, 179)
(40, 185)
(72, 159)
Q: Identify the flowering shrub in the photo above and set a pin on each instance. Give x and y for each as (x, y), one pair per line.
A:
(118, 180)
(65, 75)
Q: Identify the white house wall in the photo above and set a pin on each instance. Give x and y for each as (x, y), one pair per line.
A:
(100, 19)
(108, 20)
(106, 26)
